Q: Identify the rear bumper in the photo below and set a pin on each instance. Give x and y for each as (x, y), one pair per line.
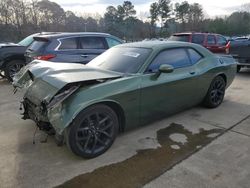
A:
(244, 64)
(241, 61)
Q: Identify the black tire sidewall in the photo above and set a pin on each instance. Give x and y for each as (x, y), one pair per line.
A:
(71, 130)
(208, 102)
(238, 68)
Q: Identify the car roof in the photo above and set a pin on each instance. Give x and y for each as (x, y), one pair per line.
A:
(73, 34)
(160, 45)
(190, 33)
(156, 44)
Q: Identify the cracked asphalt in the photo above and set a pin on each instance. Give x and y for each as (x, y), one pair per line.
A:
(196, 148)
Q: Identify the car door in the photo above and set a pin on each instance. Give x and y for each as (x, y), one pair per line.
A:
(169, 92)
(91, 47)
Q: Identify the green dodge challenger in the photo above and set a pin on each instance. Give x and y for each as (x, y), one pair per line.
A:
(129, 85)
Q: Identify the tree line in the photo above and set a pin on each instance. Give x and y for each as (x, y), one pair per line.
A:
(19, 18)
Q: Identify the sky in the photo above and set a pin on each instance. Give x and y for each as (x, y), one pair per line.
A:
(212, 8)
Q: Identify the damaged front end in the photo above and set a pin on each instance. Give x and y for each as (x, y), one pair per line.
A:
(39, 112)
(47, 85)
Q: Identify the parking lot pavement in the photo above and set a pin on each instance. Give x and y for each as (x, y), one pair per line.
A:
(223, 163)
(196, 148)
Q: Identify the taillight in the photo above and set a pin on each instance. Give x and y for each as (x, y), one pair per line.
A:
(227, 47)
(45, 57)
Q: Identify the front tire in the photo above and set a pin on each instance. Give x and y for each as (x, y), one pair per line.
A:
(93, 131)
(13, 67)
(216, 92)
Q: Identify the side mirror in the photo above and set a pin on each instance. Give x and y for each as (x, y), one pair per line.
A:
(165, 68)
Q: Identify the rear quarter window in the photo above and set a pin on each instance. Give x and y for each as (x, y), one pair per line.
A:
(68, 44)
(221, 41)
(194, 56)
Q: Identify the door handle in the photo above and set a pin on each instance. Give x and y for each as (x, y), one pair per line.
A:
(192, 72)
(84, 55)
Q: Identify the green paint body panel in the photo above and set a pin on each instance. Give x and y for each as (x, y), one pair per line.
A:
(142, 97)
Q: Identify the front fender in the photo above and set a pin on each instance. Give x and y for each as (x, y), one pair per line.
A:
(62, 115)
(123, 92)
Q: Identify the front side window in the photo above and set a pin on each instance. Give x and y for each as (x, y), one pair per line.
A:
(178, 58)
(92, 43)
(198, 38)
(68, 44)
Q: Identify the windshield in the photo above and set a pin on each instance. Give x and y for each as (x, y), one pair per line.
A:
(121, 59)
(27, 41)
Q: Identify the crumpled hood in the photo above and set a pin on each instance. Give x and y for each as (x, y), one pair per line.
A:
(60, 74)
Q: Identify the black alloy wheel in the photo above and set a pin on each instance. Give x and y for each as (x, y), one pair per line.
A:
(12, 68)
(216, 92)
(93, 131)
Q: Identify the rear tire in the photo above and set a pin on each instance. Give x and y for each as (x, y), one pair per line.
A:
(216, 92)
(238, 68)
(93, 131)
(13, 67)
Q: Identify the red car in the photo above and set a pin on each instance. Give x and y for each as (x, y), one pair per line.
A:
(216, 43)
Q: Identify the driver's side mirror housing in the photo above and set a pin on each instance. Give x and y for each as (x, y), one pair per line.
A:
(165, 68)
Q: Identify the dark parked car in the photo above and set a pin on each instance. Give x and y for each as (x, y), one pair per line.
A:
(12, 56)
(70, 47)
(240, 50)
(216, 43)
(127, 86)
